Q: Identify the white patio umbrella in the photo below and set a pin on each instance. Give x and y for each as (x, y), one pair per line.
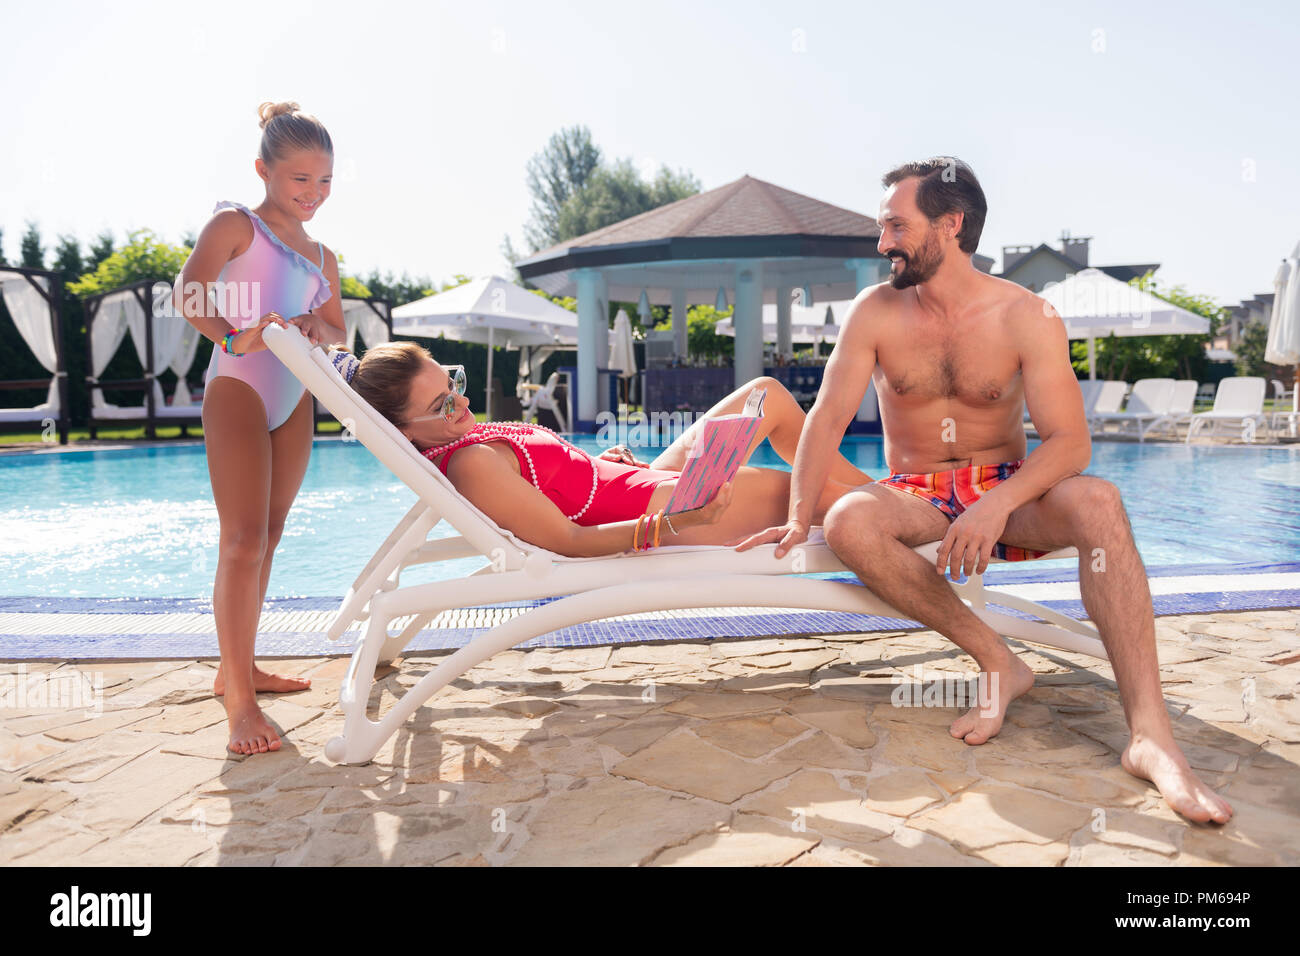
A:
(1094, 305)
(1283, 346)
(807, 325)
(491, 311)
(622, 357)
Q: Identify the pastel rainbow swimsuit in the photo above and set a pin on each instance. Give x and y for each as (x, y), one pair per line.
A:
(268, 276)
(588, 491)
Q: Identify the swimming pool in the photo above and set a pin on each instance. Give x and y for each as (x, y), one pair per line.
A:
(140, 522)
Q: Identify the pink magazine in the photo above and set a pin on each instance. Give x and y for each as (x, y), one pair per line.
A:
(717, 455)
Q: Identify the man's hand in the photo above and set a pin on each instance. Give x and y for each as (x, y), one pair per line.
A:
(789, 535)
(968, 545)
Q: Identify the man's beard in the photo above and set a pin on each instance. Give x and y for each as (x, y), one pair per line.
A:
(920, 266)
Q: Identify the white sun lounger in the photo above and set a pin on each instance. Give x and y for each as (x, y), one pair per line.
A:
(1107, 401)
(1238, 400)
(1151, 401)
(1180, 409)
(589, 589)
(1089, 389)
(544, 398)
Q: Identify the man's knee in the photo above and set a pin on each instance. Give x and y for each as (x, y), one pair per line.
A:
(853, 518)
(1085, 501)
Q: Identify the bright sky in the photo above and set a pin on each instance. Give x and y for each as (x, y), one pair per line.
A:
(1168, 133)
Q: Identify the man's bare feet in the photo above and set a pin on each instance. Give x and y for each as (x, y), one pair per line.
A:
(266, 683)
(999, 686)
(1165, 766)
(249, 731)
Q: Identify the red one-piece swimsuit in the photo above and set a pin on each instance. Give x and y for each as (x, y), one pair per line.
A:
(589, 491)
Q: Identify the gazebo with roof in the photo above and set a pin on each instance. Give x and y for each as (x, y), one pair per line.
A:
(750, 242)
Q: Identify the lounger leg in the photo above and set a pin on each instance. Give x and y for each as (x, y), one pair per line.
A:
(361, 737)
(394, 645)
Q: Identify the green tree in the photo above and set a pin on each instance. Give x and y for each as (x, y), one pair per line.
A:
(32, 255)
(702, 338)
(102, 248)
(555, 174)
(67, 258)
(1250, 350)
(617, 192)
(395, 290)
(3, 260)
(143, 257)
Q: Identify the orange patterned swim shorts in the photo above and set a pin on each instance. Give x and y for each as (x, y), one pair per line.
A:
(952, 492)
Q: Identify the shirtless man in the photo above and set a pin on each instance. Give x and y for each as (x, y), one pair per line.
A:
(954, 353)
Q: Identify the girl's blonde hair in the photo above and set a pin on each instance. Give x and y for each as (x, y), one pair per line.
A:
(285, 128)
(384, 376)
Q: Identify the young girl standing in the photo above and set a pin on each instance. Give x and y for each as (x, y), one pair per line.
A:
(257, 417)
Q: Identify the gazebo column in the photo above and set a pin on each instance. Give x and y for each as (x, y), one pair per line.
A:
(868, 272)
(784, 333)
(680, 347)
(748, 320)
(590, 323)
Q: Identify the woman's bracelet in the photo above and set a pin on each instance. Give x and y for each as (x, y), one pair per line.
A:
(659, 516)
(669, 519)
(636, 531)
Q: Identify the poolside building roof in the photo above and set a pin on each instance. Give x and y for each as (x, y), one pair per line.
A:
(743, 244)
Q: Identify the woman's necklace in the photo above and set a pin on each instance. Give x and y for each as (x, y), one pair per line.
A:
(514, 433)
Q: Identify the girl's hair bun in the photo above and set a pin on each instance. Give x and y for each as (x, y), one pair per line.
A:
(286, 128)
(269, 111)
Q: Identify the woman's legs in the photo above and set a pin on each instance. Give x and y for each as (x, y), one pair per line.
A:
(239, 467)
(781, 425)
(290, 453)
(760, 498)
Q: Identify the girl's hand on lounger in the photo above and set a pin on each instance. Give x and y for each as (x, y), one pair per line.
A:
(250, 339)
(789, 535)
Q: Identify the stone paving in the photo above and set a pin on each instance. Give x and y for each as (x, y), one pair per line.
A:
(753, 752)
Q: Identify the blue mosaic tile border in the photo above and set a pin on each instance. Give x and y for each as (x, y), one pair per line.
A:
(301, 644)
(1010, 573)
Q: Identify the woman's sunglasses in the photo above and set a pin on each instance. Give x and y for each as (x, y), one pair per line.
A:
(456, 377)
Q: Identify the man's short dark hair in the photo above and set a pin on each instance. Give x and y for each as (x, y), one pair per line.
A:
(947, 185)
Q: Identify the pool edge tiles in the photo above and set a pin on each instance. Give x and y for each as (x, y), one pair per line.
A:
(153, 628)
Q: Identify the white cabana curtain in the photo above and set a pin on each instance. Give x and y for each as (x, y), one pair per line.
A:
(31, 314)
(186, 349)
(358, 316)
(175, 343)
(106, 332)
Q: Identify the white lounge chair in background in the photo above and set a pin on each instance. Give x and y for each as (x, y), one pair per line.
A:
(1089, 389)
(1280, 392)
(1181, 408)
(1238, 400)
(544, 397)
(589, 589)
(1149, 403)
(1110, 397)
(1206, 392)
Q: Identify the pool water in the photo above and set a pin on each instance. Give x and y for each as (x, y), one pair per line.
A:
(140, 522)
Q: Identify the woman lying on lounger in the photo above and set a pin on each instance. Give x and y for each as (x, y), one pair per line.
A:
(545, 491)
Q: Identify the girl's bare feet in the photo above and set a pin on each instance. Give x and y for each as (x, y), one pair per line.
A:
(1163, 763)
(266, 683)
(250, 733)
